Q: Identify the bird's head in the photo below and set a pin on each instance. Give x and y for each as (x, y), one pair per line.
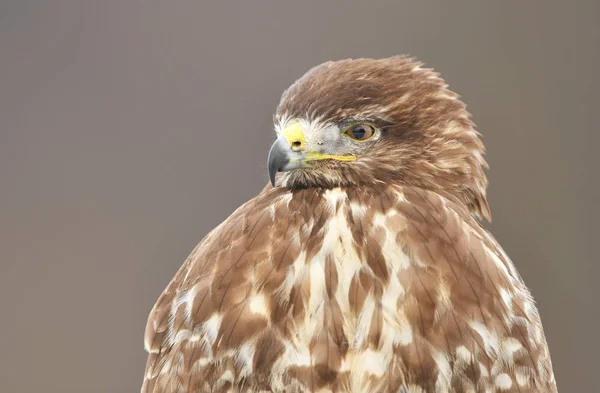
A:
(367, 123)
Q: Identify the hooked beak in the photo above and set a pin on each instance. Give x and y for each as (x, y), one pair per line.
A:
(282, 158)
(287, 151)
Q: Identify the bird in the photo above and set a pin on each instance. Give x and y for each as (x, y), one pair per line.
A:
(363, 264)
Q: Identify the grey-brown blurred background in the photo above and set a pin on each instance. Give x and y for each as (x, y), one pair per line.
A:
(129, 129)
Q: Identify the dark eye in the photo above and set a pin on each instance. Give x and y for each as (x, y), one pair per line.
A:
(360, 132)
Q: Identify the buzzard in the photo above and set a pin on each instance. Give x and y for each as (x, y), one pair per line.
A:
(362, 267)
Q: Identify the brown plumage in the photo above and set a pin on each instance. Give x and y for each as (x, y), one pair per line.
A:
(363, 269)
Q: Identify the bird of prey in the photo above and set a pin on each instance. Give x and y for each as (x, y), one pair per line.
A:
(362, 267)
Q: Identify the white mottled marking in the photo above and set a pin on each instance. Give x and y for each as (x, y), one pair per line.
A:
(185, 298)
(334, 195)
(506, 297)
(510, 346)
(503, 381)
(227, 376)
(373, 362)
(258, 305)
(444, 371)
(484, 371)
(181, 335)
(404, 333)
(463, 353)
(243, 359)
(363, 325)
(317, 286)
(523, 375)
(490, 339)
(292, 276)
(358, 210)
(211, 328)
(392, 292)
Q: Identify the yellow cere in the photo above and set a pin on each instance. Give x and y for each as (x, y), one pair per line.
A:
(295, 136)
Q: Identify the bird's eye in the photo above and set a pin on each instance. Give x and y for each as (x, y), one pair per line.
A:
(360, 132)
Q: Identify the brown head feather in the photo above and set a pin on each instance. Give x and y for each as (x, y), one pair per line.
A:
(428, 139)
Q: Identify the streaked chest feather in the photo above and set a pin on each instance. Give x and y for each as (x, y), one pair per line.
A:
(355, 292)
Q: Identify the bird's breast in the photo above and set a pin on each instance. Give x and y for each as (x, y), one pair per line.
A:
(345, 290)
